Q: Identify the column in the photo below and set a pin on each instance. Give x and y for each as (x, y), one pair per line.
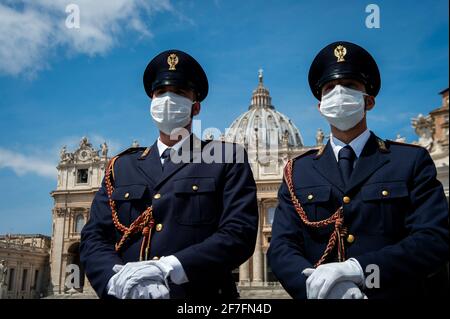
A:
(244, 274)
(56, 271)
(257, 256)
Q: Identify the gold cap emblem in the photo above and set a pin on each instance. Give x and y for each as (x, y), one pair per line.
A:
(172, 60)
(340, 52)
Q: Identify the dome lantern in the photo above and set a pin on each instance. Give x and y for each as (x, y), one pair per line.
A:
(272, 126)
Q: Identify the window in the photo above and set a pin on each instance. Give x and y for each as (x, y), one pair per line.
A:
(12, 275)
(24, 279)
(270, 215)
(79, 223)
(36, 278)
(82, 176)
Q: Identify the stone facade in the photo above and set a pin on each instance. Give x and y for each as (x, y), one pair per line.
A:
(432, 130)
(26, 266)
(79, 177)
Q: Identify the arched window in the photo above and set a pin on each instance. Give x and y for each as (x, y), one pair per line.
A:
(79, 223)
(270, 215)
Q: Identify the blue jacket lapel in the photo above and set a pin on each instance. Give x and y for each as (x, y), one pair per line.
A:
(372, 158)
(327, 166)
(151, 165)
(185, 156)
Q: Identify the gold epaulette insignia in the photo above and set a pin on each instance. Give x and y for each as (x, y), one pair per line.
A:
(320, 151)
(382, 146)
(145, 153)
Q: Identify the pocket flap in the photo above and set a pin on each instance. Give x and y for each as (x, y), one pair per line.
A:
(314, 194)
(384, 191)
(129, 192)
(194, 185)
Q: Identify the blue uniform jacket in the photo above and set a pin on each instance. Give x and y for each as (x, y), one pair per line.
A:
(397, 215)
(211, 228)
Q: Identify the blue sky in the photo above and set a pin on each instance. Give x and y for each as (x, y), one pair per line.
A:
(59, 84)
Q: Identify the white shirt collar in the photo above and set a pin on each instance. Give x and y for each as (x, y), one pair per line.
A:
(162, 147)
(356, 144)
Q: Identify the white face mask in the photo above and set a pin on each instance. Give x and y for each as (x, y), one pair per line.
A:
(343, 107)
(171, 111)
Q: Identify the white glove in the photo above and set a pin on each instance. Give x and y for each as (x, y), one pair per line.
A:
(153, 271)
(177, 275)
(341, 290)
(132, 274)
(346, 290)
(148, 289)
(322, 279)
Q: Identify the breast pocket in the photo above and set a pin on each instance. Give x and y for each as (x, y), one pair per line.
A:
(315, 201)
(131, 201)
(195, 200)
(387, 202)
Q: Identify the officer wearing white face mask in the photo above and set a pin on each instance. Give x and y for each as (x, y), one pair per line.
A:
(161, 228)
(361, 217)
(171, 111)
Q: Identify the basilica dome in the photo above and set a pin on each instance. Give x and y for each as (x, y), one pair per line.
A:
(262, 125)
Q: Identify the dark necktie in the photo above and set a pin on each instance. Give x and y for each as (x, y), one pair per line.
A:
(346, 159)
(166, 156)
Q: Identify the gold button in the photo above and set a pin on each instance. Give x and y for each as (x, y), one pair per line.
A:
(346, 200)
(155, 258)
(350, 239)
(157, 196)
(194, 187)
(385, 193)
(310, 197)
(159, 227)
(126, 195)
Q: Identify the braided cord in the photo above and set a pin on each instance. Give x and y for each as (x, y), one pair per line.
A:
(144, 223)
(336, 238)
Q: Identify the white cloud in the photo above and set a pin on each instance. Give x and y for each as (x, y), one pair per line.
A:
(22, 164)
(42, 161)
(31, 31)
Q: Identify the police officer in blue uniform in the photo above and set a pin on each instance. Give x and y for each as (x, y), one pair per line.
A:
(361, 217)
(174, 219)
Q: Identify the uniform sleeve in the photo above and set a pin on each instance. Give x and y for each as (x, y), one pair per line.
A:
(425, 249)
(234, 240)
(97, 252)
(286, 251)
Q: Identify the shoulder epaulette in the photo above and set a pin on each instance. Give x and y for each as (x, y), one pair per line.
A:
(318, 152)
(403, 143)
(131, 150)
